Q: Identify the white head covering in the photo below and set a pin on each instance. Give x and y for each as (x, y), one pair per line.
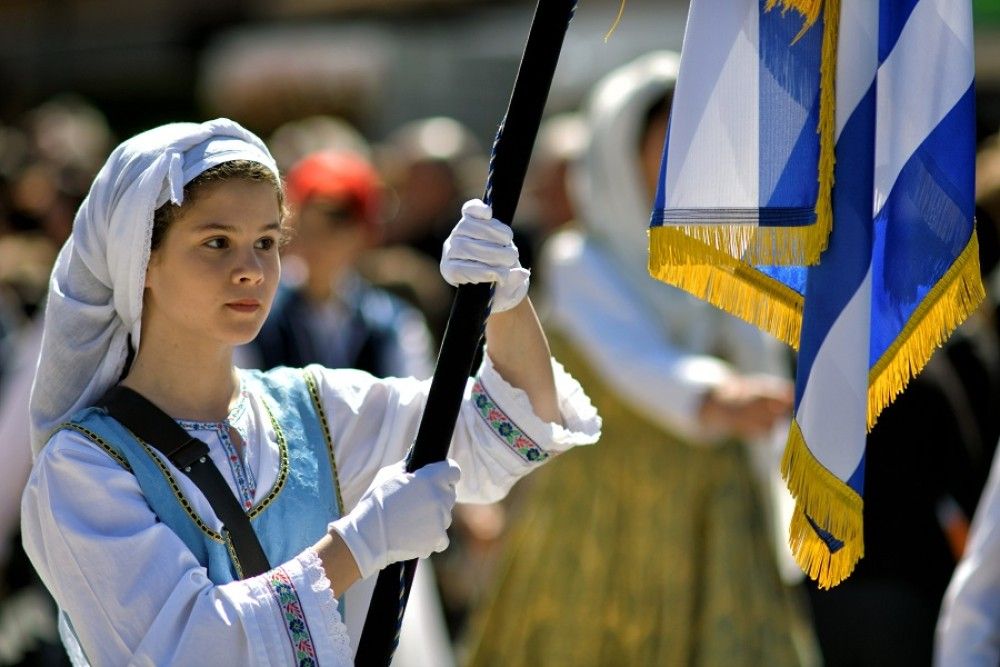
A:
(614, 207)
(96, 288)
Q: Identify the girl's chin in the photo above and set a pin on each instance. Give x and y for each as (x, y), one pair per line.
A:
(243, 335)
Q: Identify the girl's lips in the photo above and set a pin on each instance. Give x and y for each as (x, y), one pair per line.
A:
(247, 306)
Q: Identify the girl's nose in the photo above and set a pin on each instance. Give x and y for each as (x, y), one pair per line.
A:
(249, 268)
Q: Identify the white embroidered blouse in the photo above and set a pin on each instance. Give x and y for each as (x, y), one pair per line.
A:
(136, 594)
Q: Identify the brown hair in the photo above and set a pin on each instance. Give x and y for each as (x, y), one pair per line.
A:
(234, 169)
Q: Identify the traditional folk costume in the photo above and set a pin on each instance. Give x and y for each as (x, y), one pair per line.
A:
(358, 326)
(128, 545)
(653, 549)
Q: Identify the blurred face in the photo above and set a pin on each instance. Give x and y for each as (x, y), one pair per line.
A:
(329, 236)
(427, 192)
(651, 151)
(214, 275)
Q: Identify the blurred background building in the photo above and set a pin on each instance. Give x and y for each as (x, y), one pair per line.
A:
(377, 63)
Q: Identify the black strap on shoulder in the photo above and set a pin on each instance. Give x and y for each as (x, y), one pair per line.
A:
(189, 454)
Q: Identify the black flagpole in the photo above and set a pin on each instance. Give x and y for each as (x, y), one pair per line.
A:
(508, 164)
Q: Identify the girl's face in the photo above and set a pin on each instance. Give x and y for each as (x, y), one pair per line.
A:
(214, 275)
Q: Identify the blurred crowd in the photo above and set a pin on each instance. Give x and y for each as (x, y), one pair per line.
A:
(361, 288)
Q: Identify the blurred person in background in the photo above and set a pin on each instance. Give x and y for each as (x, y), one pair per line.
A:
(295, 139)
(325, 312)
(968, 630)
(547, 203)
(431, 165)
(45, 169)
(399, 270)
(665, 528)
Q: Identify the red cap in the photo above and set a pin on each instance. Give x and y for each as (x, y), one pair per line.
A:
(337, 175)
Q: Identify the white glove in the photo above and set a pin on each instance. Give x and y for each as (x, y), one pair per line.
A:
(481, 249)
(401, 516)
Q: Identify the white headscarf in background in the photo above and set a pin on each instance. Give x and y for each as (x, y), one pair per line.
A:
(96, 288)
(613, 205)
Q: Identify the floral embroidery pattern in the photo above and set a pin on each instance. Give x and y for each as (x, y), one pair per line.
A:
(508, 431)
(295, 619)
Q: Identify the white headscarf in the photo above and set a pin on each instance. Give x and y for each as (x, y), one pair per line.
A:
(96, 288)
(614, 207)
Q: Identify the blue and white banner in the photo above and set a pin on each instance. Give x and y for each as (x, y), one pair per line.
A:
(899, 266)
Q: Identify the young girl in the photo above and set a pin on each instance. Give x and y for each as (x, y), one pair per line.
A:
(174, 254)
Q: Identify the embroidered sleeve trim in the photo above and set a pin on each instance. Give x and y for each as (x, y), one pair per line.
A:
(504, 428)
(295, 620)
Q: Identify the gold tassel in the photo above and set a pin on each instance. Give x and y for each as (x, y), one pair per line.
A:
(949, 302)
(727, 283)
(831, 504)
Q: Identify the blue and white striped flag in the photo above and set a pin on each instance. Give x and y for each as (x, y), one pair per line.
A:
(845, 128)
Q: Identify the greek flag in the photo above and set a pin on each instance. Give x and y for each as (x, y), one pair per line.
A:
(818, 182)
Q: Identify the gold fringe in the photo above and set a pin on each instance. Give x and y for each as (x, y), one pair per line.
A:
(727, 283)
(618, 19)
(809, 9)
(814, 557)
(826, 128)
(761, 246)
(949, 302)
(831, 504)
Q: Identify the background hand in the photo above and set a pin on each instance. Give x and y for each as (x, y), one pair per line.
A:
(747, 406)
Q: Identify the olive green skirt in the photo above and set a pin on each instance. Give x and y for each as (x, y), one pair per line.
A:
(641, 550)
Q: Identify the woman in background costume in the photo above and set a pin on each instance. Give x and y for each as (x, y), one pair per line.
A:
(653, 549)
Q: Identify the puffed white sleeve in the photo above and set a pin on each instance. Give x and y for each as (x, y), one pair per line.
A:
(135, 594)
(591, 303)
(498, 437)
(968, 631)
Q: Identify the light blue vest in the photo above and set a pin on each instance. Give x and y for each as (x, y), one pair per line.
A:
(294, 515)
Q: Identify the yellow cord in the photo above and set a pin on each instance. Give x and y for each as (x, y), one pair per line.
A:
(618, 19)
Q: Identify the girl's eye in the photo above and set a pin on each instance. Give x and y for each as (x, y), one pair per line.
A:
(217, 243)
(266, 243)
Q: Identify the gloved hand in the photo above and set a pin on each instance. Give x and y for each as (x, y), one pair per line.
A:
(481, 249)
(401, 516)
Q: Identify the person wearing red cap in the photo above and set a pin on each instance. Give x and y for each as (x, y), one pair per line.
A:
(325, 312)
